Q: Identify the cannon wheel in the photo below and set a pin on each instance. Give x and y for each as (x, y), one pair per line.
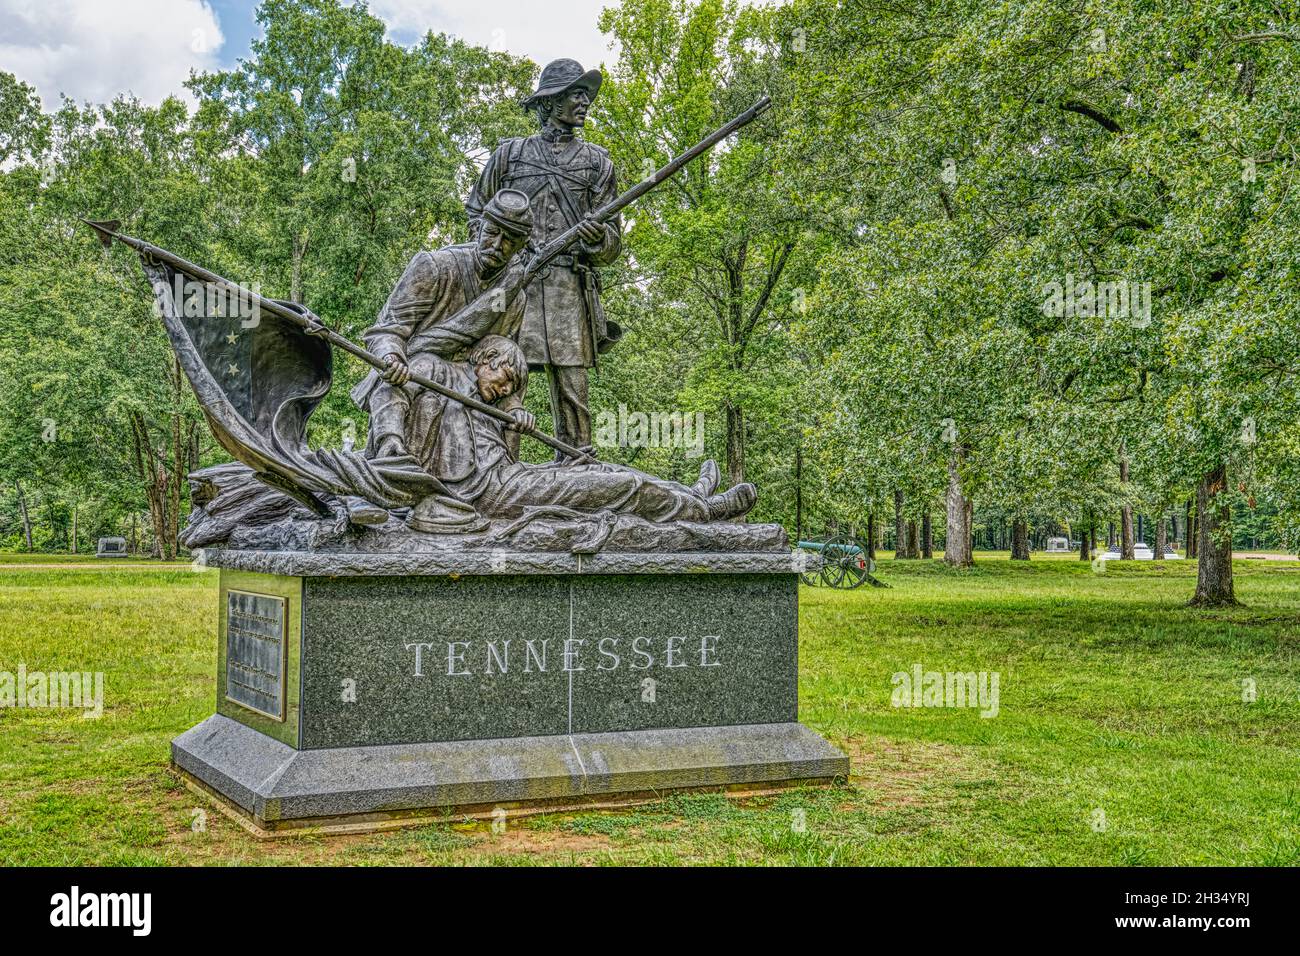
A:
(845, 564)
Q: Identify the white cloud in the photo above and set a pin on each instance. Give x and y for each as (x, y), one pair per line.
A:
(96, 49)
(542, 30)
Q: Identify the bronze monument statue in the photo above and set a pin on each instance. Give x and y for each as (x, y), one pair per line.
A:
(444, 393)
(469, 454)
(412, 331)
(430, 627)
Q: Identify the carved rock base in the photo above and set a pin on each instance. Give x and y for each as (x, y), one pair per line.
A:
(351, 693)
(273, 789)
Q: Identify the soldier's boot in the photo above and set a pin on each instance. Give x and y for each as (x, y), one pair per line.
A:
(733, 503)
(362, 512)
(707, 483)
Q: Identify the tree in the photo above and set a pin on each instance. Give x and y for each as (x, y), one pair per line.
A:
(723, 240)
(1135, 157)
(24, 129)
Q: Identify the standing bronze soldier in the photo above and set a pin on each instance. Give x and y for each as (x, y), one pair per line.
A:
(564, 326)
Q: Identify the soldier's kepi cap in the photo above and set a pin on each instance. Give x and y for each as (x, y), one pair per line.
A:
(560, 76)
(512, 211)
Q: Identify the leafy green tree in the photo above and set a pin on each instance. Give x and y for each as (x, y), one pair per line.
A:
(358, 152)
(24, 129)
(1018, 146)
(722, 242)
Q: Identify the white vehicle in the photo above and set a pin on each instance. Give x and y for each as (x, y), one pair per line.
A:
(1141, 552)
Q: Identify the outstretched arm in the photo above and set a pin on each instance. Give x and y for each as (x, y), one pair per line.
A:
(419, 289)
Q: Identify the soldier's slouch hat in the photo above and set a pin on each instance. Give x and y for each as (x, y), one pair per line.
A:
(560, 76)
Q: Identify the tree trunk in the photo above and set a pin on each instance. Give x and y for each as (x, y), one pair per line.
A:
(798, 493)
(1214, 541)
(1189, 530)
(733, 330)
(193, 444)
(1020, 540)
(54, 522)
(957, 552)
(927, 534)
(177, 480)
(295, 275)
(153, 476)
(1125, 514)
(735, 443)
(27, 518)
(157, 495)
(1161, 540)
(900, 526)
(913, 540)
(871, 534)
(73, 536)
(1083, 543)
(970, 528)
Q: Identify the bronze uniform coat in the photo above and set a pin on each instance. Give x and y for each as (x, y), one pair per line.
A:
(565, 183)
(459, 446)
(415, 318)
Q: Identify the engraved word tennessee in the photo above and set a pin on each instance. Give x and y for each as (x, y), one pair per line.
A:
(489, 658)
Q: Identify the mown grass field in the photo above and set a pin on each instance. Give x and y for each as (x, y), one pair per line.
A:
(1122, 735)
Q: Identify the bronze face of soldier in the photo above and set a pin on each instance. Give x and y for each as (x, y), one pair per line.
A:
(497, 246)
(568, 110)
(494, 381)
(499, 371)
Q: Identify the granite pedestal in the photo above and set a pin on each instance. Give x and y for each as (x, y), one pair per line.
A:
(369, 689)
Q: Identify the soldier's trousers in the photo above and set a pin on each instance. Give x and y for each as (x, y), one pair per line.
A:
(595, 487)
(568, 388)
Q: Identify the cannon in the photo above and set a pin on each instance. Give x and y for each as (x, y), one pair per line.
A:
(846, 564)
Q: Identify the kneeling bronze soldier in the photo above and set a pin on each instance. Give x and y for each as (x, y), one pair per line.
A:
(417, 323)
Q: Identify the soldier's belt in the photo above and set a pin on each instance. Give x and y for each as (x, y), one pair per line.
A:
(564, 262)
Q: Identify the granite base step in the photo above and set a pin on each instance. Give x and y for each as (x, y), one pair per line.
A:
(273, 788)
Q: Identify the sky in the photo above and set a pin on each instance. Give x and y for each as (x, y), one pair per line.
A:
(92, 50)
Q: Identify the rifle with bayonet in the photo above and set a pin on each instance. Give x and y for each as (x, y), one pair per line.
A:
(483, 310)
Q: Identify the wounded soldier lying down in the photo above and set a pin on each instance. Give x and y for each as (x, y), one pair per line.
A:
(468, 452)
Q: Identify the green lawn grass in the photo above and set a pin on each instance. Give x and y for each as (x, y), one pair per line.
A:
(1117, 704)
(36, 557)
